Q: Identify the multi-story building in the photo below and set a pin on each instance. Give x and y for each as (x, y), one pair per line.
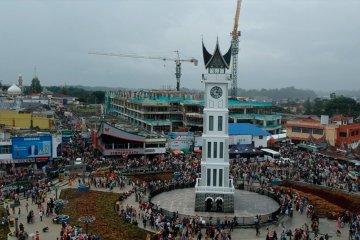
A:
(165, 111)
(27, 119)
(123, 140)
(348, 134)
(338, 131)
(155, 111)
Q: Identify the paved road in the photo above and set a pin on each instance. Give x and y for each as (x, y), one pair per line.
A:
(297, 220)
(326, 226)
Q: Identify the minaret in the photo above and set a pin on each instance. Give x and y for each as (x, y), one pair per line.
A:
(20, 83)
(214, 190)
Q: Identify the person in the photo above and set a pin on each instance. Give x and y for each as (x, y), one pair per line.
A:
(199, 236)
(257, 225)
(37, 236)
(41, 215)
(27, 207)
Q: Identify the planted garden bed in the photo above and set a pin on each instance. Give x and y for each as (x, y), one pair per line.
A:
(4, 230)
(101, 205)
(327, 202)
(152, 176)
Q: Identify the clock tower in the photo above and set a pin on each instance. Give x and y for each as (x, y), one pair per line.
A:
(214, 191)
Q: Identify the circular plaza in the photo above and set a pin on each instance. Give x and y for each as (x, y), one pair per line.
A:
(247, 204)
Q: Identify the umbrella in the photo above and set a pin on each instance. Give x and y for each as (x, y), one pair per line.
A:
(177, 151)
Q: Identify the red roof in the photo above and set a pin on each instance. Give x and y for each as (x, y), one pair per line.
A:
(339, 118)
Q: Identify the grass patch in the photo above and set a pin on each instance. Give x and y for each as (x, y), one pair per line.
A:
(108, 225)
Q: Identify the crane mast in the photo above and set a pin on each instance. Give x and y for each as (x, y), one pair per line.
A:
(235, 50)
(177, 61)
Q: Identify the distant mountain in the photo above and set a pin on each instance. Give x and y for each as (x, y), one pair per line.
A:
(97, 88)
(278, 94)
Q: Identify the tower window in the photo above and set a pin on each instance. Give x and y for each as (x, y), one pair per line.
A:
(209, 150)
(220, 120)
(221, 150)
(214, 177)
(211, 123)
(220, 177)
(215, 149)
(208, 177)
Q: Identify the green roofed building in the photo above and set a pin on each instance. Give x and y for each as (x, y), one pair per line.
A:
(167, 111)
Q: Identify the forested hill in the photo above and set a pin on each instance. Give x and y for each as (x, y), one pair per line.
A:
(278, 93)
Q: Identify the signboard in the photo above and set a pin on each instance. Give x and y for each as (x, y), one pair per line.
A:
(198, 141)
(38, 147)
(66, 132)
(66, 139)
(240, 139)
(182, 141)
(56, 146)
(155, 150)
(124, 152)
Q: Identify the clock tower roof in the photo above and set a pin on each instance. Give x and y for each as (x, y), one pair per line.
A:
(216, 60)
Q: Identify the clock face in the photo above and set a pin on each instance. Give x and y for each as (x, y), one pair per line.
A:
(216, 92)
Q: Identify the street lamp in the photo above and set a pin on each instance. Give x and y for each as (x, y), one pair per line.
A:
(87, 219)
(57, 187)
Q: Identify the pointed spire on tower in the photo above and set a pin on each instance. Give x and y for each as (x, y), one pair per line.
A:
(216, 62)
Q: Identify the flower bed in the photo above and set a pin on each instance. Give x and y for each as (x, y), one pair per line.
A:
(326, 201)
(323, 207)
(4, 230)
(101, 205)
(151, 176)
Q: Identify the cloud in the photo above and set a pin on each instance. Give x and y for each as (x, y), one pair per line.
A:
(307, 44)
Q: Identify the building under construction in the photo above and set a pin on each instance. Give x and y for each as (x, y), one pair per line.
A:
(165, 111)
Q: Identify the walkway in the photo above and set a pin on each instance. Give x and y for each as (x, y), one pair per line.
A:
(326, 226)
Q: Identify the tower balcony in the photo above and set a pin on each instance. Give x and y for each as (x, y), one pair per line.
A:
(211, 189)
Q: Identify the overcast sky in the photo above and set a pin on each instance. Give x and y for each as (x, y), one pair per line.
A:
(309, 44)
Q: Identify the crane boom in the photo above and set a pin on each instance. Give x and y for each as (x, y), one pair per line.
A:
(192, 60)
(235, 50)
(235, 33)
(176, 60)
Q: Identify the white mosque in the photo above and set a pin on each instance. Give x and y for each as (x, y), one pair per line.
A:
(15, 90)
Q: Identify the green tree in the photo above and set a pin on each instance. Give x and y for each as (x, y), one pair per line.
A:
(318, 106)
(35, 86)
(307, 107)
(342, 105)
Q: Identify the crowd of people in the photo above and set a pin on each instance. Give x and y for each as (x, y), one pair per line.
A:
(305, 166)
(313, 168)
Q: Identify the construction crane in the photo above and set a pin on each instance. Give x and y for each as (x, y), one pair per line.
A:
(235, 50)
(177, 61)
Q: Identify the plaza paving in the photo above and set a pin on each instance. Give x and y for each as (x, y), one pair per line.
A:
(246, 203)
(326, 226)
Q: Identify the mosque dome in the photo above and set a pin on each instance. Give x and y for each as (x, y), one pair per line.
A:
(14, 90)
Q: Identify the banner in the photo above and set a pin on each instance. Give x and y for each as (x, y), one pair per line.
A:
(31, 147)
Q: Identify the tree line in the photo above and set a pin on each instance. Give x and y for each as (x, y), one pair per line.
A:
(90, 97)
(86, 96)
(338, 105)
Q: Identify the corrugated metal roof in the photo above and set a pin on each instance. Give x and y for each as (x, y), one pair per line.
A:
(237, 103)
(246, 129)
(233, 103)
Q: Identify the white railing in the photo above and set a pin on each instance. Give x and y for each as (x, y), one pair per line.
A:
(209, 189)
